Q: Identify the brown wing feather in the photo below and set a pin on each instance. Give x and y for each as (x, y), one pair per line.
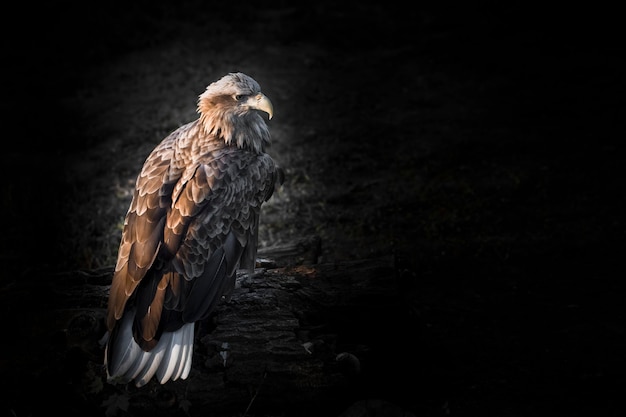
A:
(150, 322)
(231, 201)
(173, 229)
(143, 226)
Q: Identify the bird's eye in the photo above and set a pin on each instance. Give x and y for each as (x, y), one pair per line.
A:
(239, 97)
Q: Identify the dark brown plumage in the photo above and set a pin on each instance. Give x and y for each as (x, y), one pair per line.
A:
(192, 223)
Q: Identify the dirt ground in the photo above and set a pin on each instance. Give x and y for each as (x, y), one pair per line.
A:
(480, 147)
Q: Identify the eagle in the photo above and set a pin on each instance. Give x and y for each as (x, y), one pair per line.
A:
(192, 223)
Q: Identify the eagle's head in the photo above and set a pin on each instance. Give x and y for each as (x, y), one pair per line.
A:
(229, 108)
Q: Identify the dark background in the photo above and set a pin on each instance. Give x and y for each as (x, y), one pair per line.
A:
(481, 146)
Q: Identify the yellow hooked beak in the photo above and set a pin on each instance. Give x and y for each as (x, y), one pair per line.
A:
(261, 102)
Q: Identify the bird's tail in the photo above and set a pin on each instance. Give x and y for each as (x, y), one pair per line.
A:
(170, 359)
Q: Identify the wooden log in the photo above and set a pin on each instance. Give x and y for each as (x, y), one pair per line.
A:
(291, 337)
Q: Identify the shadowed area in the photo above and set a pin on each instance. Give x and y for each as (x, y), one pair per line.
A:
(480, 148)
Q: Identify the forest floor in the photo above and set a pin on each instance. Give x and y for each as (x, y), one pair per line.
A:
(481, 153)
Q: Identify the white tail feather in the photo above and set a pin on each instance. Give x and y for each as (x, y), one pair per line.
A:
(169, 360)
(138, 366)
(166, 368)
(156, 355)
(177, 370)
(185, 365)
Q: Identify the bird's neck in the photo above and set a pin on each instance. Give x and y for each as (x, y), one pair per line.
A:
(247, 131)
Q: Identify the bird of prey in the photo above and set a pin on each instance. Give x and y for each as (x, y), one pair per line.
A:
(192, 223)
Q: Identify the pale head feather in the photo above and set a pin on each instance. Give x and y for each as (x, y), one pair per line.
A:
(222, 115)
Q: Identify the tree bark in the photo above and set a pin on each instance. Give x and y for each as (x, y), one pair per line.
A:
(291, 336)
